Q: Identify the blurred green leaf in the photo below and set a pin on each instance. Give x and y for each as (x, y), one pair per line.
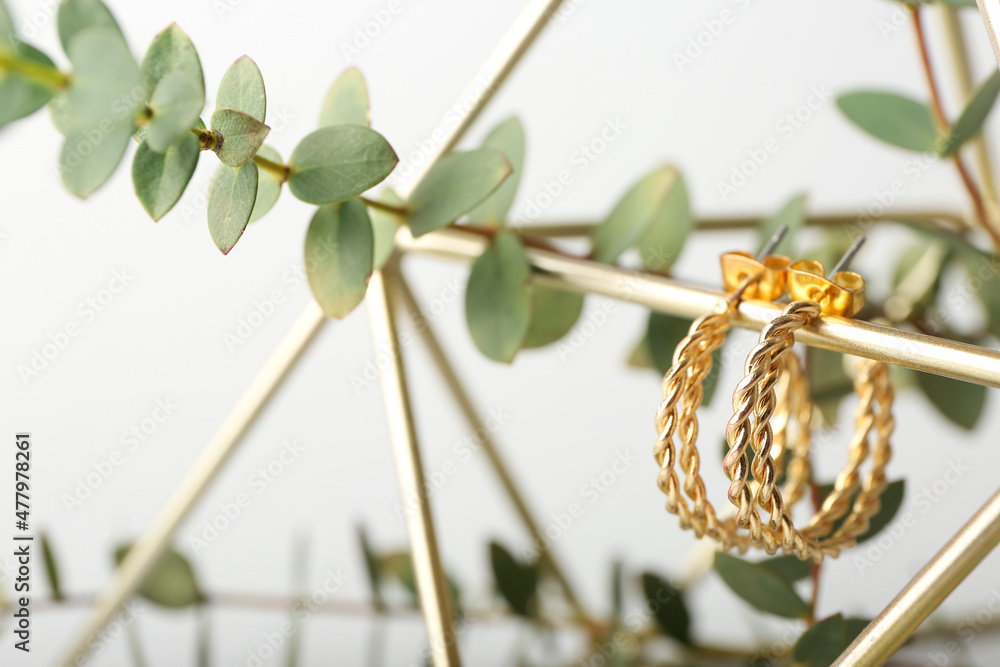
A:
(632, 215)
(159, 179)
(51, 568)
(176, 103)
(959, 402)
(517, 582)
(338, 256)
(268, 185)
(242, 88)
(984, 280)
(346, 102)
(793, 216)
(891, 501)
(663, 334)
(385, 225)
(553, 315)
(668, 607)
(498, 298)
(970, 123)
(242, 136)
(339, 162)
(20, 96)
(172, 582)
(641, 357)
(371, 568)
(894, 119)
(231, 199)
(829, 383)
(617, 596)
(7, 32)
(759, 586)
(75, 16)
(454, 186)
(668, 229)
(399, 566)
(171, 51)
(789, 567)
(508, 138)
(105, 80)
(86, 164)
(822, 644)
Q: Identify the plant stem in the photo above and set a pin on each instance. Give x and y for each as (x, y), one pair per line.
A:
(33, 70)
(398, 211)
(210, 139)
(279, 170)
(941, 120)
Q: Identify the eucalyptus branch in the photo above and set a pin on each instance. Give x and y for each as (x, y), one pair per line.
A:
(398, 211)
(33, 70)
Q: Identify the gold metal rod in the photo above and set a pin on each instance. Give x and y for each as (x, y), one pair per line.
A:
(401, 290)
(927, 590)
(146, 553)
(505, 56)
(849, 336)
(431, 583)
(953, 222)
(990, 11)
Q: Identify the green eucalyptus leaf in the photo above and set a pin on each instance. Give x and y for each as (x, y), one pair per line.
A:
(175, 104)
(759, 586)
(338, 256)
(385, 225)
(20, 96)
(268, 185)
(242, 88)
(371, 568)
(242, 136)
(231, 200)
(171, 584)
(822, 644)
(632, 215)
(51, 568)
(106, 88)
(339, 162)
(789, 567)
(960, 402)
(793, 216)
(516, 582)
(7, 32)
(454, 186)
(970, 123)
(508, 138)
(668, 606)
(160, 179)
(75, 16)
(894, 119)
(89, 157)
(498, 298)
(553, 315)
(667, 230)
(829, 383)
(617, 594)
(346, 102)
(399, 566)
(890, 502)
(171, 51)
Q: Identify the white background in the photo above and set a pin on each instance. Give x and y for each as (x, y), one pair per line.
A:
(568, 415)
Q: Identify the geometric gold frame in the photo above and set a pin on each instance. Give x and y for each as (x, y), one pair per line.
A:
(388, 292)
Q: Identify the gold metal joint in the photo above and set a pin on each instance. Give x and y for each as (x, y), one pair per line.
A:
(767, 278)
(842, 294)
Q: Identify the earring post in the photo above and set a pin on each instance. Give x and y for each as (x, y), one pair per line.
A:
(779, 235)
(848, 256)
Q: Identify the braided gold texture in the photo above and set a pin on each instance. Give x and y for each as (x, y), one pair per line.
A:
(750, 429)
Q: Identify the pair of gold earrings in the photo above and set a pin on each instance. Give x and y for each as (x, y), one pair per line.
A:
(772, 414)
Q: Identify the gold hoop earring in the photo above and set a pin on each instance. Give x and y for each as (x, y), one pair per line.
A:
(743, 277)
(754, 404)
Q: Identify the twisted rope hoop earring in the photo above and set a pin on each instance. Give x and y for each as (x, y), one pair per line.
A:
(755, 404)
(747, 277)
